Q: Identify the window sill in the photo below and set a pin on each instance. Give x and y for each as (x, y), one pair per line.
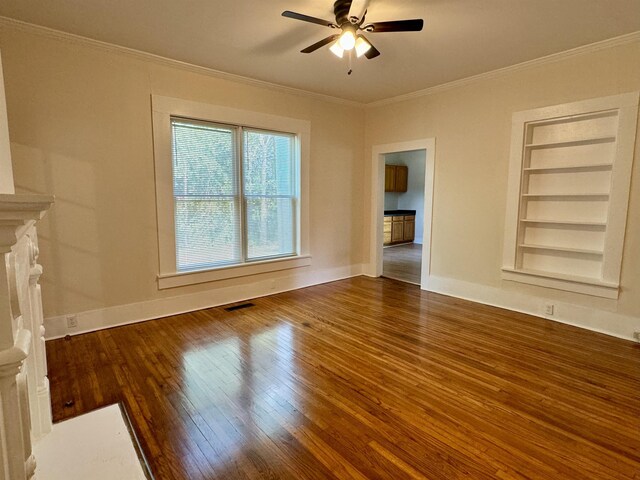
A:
(569, 283)
(172, 280)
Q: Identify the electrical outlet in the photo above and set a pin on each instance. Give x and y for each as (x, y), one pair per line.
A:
(636, 335)
(72, 321)
(548, 309)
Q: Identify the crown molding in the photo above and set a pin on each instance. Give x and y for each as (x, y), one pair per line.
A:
(158, 59)
(150, 57)
(554, 57)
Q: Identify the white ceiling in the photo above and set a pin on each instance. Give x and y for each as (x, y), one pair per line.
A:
(250, 37)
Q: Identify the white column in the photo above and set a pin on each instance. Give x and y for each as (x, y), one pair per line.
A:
(14, 437)
(22, 371)
(37, 364)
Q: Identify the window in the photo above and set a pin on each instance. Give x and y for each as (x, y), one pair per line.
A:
(230, 192)
(568, 194)
(232, 205)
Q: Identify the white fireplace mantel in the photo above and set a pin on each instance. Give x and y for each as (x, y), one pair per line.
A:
(25, 405)
(17, 214)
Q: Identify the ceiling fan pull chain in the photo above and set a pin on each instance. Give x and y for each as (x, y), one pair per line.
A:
(350, 62)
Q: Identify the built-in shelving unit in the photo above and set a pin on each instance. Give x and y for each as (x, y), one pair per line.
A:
(568, 194)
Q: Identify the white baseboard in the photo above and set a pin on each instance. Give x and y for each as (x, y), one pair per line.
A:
(609, 323)
(92, 320)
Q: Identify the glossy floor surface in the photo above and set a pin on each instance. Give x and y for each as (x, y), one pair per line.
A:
(363, 379)
(403, 262)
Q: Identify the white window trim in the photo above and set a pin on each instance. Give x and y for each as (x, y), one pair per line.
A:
(163, 108)
(608, 285)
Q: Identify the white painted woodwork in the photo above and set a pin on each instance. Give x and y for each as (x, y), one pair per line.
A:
(93, 446)
(569, 181)
(24, 388)
(166, 107)
(25, 406)
(376, 232)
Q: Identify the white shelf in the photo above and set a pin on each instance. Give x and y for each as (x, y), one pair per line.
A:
(565, 195)
(570, 168)
(571, 143)
(564, 222)
(563, 276)
(562, 249)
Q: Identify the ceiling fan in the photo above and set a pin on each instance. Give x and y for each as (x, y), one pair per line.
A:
(350, 25)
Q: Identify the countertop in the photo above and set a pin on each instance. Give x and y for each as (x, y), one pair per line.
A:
(390, 213)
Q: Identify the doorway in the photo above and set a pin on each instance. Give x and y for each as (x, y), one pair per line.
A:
(402, 213)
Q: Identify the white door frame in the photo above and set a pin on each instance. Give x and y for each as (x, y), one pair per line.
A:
(377, 203)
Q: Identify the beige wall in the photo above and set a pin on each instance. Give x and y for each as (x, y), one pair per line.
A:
(472, 127)
(80, 126)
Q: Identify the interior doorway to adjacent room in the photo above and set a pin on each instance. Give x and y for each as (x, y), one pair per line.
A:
(402, 204)
(403, 217)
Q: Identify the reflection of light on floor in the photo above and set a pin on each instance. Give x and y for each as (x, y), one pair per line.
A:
(240, 388)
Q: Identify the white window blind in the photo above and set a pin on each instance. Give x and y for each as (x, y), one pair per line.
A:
(269, 191)
(230, 211)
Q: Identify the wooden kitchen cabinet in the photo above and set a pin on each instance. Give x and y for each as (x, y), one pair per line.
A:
(389, 178)
(387, 230)
(409, 228)
(399, 229)
(402, 178)
(396, 178)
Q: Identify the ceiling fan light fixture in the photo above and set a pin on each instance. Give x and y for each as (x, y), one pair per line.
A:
(347, 40)
(350, 20)
(336, 49)
(362, 47)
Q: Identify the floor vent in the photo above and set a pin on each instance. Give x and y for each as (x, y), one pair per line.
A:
(240, 306)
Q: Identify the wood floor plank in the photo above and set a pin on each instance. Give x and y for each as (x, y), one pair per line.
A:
(362, 379)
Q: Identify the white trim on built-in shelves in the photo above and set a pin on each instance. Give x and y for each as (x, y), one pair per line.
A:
(570, 168)
(559, 281)
(555, 134)
(553, 248)
(564, 222)
(569, 143)
(567, 195)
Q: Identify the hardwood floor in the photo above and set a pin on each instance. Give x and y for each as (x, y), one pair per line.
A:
(403, 262)
(363, 379)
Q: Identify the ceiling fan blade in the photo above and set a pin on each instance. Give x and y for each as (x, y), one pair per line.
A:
(307, 18)
(321, 43)
(372, 52)
(414, 25)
